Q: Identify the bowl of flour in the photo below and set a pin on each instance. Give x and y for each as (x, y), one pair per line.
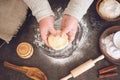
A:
(107, 45)
(108, 10)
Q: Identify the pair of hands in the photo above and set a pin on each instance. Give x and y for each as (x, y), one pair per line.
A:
(69, 26)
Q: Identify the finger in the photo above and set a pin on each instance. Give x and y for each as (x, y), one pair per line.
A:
(44, 37)
(71, 36)
(64, 31)
(53, 31)
(46, 42)
(71, 39)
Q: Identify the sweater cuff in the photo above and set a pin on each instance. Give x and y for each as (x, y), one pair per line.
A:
(78, 8)
(40, 8)
(39, 15)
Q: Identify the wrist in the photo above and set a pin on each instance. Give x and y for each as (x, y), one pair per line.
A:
(49, 20)
(71, 17)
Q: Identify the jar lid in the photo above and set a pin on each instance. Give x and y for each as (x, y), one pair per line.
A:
(24, 50)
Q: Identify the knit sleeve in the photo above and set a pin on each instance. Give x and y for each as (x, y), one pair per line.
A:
(78, 8)
(40, 8)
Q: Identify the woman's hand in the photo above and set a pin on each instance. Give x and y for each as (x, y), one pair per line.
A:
(69, 26)
(46, 27)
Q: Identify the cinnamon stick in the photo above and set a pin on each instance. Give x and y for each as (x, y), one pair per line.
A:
(107, 69)
(108, 75)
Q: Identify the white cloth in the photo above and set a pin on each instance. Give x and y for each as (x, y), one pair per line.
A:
(12, 16)
(75, 8)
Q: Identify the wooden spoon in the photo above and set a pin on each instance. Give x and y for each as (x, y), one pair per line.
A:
(31, 72)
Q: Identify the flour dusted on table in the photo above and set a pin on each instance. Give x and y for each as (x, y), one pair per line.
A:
(111, 49)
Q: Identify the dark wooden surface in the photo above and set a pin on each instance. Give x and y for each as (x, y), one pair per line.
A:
(52, 67)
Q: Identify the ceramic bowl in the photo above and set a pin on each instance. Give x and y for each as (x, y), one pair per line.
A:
(105, 18)
(116, 39)
(107, 32)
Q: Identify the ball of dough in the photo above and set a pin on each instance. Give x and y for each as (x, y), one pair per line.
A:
(58, 42)
(109, 8)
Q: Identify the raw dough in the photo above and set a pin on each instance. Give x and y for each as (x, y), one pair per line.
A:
(58, 42)
(109, 8)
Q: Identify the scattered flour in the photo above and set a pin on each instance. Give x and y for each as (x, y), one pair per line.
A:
(111, 49)
(71, 52)
(67, 51)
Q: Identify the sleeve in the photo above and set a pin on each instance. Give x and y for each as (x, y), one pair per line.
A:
(78, 8)
(40, 8)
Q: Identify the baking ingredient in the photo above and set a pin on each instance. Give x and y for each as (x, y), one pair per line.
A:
(108, 75)
(109, 8)
(58, 42)
(108, 72)
(107, 69)
(111, 49)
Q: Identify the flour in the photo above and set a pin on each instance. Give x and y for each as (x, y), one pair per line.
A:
(111, 49)
(65, 55)
(72, 51)
(109, 8)
(67, 51)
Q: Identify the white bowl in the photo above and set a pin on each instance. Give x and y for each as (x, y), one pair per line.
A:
(116, 39)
